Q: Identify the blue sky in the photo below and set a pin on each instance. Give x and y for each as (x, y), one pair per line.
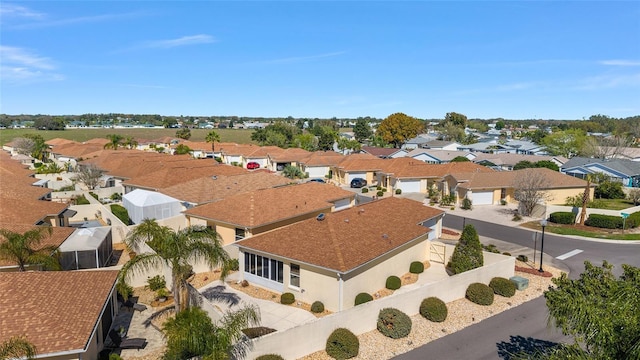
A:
(510, 59)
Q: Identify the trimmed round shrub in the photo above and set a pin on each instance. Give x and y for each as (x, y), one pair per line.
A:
(287, 298)
(379, 187)
(398, 191)
(503, 287)
(523, 258)
(394, 323)
(393, 283)
(604, 221)
(433, 309)
(317, 307)
(506, 253)
(270, 357)
(416, 267)
(364, 190)
(342, 344)
(380, 193)
(562, 217)
(363, 298)
(480, 294)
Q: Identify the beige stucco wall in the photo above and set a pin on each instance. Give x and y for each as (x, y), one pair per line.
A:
(558, 196)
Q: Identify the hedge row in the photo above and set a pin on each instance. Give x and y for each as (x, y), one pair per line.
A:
(563, 217)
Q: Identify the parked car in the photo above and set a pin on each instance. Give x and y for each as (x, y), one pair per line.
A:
(253, 165)
(358, 183)
(317, 180)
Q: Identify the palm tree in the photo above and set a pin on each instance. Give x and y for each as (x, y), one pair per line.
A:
(115, 141)
(130, 142)
(212, 137)
(17, 347)
(292, 172)
(192, 334)
(21, 249)
(175, 249)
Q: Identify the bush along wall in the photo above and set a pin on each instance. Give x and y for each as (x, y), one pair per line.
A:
(563, 217)
(604, 221)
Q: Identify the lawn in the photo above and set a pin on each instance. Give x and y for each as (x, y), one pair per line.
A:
(612, 204)
(586, 231)
(226, 135)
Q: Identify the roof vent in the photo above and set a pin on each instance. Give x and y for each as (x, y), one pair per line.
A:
(346, 220)
(214, 177)
(385, 236)
(320, 217)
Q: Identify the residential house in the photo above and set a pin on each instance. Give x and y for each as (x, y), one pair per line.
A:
(384, 153)
(335, 256)
(54, 239)
(277, 161)
(441, 145)
(437, 156)
(527, 147)
(418, 142)
(487, 147)
(505, 161)
(248, 214)
(625, 171)
(357, 166)
(64, 314)
(492, 188)
(319, 163)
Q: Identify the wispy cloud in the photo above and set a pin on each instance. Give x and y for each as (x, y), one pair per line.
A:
(78, 20)
(609, 81)
(620, 62)
(12, 10)
(296, 59)
(22, 66)
(183, 41)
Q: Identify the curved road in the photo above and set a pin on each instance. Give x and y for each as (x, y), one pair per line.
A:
(523, 327)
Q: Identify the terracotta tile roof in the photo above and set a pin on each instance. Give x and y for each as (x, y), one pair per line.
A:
(412, 168)
(322, 158)
(48, 309)
(500, 179)
(28, 211)
(173, 175)
(290, 154)
(362, 162)
(238, 149)
(208, 189)
(59, 141)
(349, 238)
(57, 237)
(77, 150)
(261, 207)
(97, 141)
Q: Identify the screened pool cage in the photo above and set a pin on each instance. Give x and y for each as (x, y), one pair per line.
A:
(87, 248)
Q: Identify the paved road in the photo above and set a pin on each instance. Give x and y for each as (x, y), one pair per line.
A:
(525, 326)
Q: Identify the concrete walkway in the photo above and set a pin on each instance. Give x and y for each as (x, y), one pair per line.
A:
(272, 314)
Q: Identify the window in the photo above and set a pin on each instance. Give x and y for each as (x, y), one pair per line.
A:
(503, 193)
(240, 234)
(264, 267)
(295, 275)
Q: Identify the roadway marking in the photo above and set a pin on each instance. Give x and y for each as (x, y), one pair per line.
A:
(569, 254)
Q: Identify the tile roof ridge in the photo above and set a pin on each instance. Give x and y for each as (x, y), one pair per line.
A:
(335, 245)
(251, 209)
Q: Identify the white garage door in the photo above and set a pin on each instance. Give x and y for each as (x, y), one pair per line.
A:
(482, 198)
(409, 186)
(354, 175)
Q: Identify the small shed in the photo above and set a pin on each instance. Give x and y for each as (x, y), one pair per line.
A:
(87, 248)
(143, 204)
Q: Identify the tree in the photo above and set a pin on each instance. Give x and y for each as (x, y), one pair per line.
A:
(450, 132)
(457, 120)
(292, 172)
(467, 254)
(17, 347)
(343, 144)
(566, 143)
(212, 137)
(398, 128)
(327, 136)
(130, 142)
(460, 159)
(306, 141)
(32, 145)
(601, 147)
(499, 125)
(23, 249)
(175, 249)
(362, 130)
(192, 334)
(529, 189)
(609, 190)
(183, 133)
(182, 149)
(599, 311)
(115, 141)
(277, 134)
(524, 164)
(634, 195)
(89, 175)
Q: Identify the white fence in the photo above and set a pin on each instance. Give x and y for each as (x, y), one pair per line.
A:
(311, 337)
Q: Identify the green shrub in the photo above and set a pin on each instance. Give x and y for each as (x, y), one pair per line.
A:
(37, 165)
(364, 190)
(363, 298)
(384, 189)
(604, 221)
(317, 307)
(287, 298)
(466, 204)
(480, 294)
(233, 265)
(563, 217)
(94, 195)
(398, 191)
(125, 290)
(433, 309)
(609, 190)
(523, 258)
(506, 253)
(467, 254)
(633, 220)
(379, 188)
(380, 193)
(491, 248)
(121, 213)
(393, 283)
(394, 323)
(503, 287)
(114, 356)
(342, 344)
(256, 332)
(416, 267)
(156, 283)
(67, 188)
(270, 357)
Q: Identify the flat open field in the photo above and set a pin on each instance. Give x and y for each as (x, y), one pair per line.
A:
(226, 135)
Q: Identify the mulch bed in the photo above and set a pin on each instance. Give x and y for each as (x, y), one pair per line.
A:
(531, 271)
(450, 232)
